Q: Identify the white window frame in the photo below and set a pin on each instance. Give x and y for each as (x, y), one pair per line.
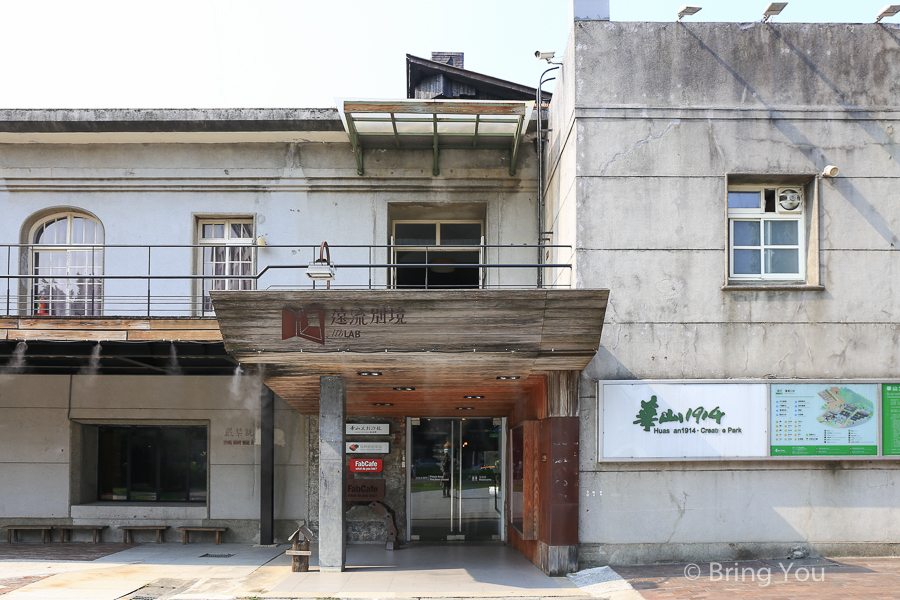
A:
(47, 306)
(204, 306)
(437, 247)
(759, 215)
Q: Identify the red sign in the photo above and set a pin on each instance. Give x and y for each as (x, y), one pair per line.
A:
(365, 465)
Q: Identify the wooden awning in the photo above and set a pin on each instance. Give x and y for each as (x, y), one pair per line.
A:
(447, 345)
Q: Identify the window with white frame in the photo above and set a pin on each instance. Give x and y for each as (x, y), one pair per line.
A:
(228, 250)
(766, 232)
(66, 256)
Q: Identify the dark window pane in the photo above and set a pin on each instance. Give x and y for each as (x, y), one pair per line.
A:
(415, 234)
(770, 200)
(173, 451)
(743, 199)
(144, 449)
(113, 463)
(460, 234)
(198, 464)
(746, 233)
(746, 262)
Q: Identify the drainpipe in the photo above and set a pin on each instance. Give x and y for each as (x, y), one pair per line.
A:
(540, 197)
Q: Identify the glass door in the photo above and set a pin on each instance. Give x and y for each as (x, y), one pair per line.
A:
(455, 479)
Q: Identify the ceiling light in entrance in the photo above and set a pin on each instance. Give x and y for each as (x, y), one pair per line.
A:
(508, 377)
(369, 373)
(383, 403)
(473, 397)
(404, 389)
(465, 408)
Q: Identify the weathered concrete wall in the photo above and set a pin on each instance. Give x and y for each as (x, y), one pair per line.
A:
(296, 193)
(40, 465)
(664, 112)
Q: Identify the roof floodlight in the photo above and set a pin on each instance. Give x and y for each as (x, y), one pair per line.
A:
(688, 9)
(888, 11)
(774, 8)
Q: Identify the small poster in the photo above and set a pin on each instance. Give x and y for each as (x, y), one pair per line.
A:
(368, 447)
(824, 419)
(890, 407)
(368, 428)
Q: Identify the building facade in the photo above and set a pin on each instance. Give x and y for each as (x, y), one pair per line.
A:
(180, 348)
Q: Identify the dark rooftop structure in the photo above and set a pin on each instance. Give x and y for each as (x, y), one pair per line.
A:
(444, 78)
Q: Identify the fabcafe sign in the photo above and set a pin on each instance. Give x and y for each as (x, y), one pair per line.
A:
(672, 421)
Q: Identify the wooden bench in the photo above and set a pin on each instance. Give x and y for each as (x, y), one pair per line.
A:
(185, 533)
(127, 529)
(12, 531)
(65, 531)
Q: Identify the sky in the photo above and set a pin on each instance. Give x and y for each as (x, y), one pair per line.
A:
(300, 53)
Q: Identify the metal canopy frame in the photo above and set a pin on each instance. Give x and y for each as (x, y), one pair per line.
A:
(436, 125)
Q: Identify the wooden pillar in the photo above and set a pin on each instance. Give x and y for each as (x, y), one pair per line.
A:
(558, 476)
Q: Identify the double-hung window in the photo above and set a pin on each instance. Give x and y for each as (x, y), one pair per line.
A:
(227, 250)
(766, 233)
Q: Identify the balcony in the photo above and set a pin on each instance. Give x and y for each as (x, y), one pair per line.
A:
(174, 281)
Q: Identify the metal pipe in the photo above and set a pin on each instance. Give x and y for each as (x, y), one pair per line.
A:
(540, 152)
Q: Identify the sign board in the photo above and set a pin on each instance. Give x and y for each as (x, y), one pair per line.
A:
(683, 420)
(830, 419)
(890, 415)
(365, 490)
(368, 428)
(365, 465)
(368, 447)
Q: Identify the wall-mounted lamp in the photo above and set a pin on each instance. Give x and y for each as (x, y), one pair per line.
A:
(774, 8)
(321, 269)
(888, 11)
(688, 9)
(830, 171)
(261, 241)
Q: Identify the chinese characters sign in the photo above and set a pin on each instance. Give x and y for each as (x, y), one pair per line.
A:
(890, 405)
(239, 436)
(368, 447)
(368, 428)
(671, 421)
(316, 323)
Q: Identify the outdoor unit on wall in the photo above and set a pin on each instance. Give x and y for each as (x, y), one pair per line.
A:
(789, 201)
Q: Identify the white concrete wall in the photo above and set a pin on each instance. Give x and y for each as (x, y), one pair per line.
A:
(37, 465)
(664, 113)
(296, 193)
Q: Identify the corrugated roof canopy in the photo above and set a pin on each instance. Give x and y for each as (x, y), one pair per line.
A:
(436, 125)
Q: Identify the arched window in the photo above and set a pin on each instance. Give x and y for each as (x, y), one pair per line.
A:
(66, 257)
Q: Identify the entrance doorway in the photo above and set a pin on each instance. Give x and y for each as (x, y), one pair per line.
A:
(455, 479)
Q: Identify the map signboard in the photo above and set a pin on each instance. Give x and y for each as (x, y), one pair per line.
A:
(824, 419)
(669, 421)
(890, 416)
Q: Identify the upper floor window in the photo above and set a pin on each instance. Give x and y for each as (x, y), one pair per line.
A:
(766, 232)
(229, 251)
(441, 245)
(66, 256)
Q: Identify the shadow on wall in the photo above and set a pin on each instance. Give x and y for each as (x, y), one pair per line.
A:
(805, 145)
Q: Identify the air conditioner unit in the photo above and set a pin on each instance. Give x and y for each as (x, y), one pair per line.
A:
(789, 201)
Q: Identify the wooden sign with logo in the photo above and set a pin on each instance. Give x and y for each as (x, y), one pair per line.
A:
(365, 490)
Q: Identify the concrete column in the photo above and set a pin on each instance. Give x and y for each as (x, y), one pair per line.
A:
(266, 466)
(332, 481)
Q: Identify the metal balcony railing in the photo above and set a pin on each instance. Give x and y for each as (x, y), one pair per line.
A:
(113, 280)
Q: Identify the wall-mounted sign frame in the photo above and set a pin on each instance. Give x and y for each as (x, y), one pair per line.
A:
(368, 428)
(368, 447)
(835, 419)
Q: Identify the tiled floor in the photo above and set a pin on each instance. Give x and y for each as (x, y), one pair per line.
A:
(849, 579)
(489, 570)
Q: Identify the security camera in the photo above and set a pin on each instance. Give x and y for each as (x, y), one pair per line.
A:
(831, 171)
(544, 55)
